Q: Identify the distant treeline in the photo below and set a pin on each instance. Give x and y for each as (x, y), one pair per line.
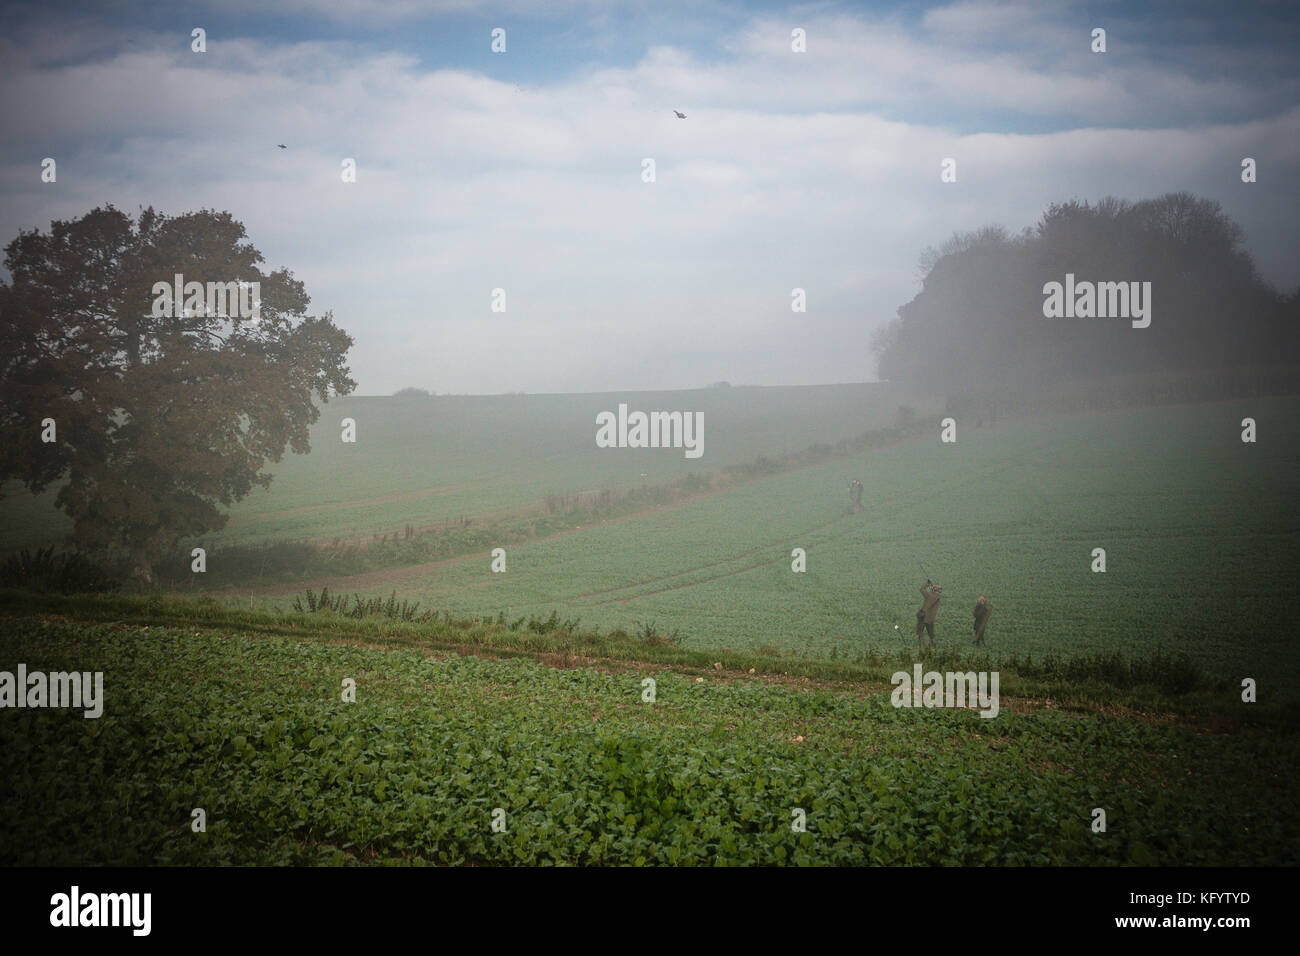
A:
(979, 320)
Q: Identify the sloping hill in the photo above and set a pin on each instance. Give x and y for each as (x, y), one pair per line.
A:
(1199, 529)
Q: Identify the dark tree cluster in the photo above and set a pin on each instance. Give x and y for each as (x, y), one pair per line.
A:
(978, 319)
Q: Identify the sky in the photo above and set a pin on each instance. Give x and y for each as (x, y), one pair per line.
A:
(522, 170)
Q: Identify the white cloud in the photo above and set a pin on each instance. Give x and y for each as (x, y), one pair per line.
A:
(784, 174)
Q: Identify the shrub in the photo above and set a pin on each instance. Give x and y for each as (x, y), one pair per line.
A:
(553, 623)
(693, 482)
(649, 635)
(64, 573)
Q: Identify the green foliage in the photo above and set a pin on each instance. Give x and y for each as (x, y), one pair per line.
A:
(252, 730)
(1186, 690)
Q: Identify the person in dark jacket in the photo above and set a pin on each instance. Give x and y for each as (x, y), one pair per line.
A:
(929, 610)
(983, 611)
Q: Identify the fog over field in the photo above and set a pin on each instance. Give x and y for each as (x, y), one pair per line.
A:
(624, 434)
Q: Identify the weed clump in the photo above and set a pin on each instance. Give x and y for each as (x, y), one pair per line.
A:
(313, 603)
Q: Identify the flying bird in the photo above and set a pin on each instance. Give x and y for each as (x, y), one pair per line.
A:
(281, 145)
(680, 114)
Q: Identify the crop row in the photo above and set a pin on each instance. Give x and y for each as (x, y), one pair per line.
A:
(577, 768)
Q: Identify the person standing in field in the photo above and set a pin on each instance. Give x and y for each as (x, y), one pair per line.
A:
(983, 611)
(929, 610)
(855, 495)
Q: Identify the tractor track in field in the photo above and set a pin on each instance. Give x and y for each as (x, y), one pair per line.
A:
(607, 595)
(698, 568)
(709, 565)
(794, 536)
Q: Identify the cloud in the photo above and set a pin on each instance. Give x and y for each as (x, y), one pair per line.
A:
(390, 11)
(820, 173)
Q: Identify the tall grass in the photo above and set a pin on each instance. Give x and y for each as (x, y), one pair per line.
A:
(313, 603)
(65, 573)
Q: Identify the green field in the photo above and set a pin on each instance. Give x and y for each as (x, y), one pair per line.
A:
(1200, 533)
(1120, 690)
(253, 731)
(429, 460)
(1199, 529)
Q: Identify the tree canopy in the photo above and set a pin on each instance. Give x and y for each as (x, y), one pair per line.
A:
(979, 314)
(161, 415)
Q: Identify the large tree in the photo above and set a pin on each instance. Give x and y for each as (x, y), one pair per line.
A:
(160, 420)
